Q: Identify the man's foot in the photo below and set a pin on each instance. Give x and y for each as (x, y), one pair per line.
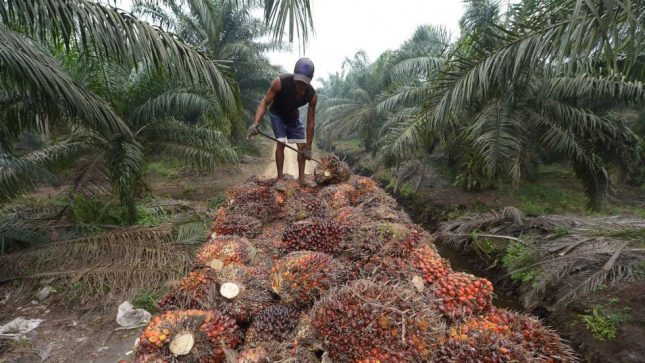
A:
(304, 182)
(281, 185)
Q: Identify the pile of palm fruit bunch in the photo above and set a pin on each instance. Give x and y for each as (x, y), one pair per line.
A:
(332, 273)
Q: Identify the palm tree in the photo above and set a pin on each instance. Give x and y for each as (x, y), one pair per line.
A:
(508, 90)
(355, 110)
(224, 31)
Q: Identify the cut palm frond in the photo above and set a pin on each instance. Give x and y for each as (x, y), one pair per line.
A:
(111, 265)
(562, 258)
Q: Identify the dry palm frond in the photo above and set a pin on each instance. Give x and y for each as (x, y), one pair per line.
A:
(109, 265)
(458, 232)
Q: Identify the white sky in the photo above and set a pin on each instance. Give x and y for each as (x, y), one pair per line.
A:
(345, 26)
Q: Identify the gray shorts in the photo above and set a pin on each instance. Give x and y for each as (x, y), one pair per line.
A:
(291, 131)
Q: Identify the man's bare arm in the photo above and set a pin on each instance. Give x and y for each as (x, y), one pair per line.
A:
(267, 100)
(311, 120)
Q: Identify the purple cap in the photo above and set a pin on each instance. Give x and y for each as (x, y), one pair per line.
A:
(304, 70)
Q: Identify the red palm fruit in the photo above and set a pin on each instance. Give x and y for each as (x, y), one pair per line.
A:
(210, 333)
(274, 323)
(225, 250)
(315, 234)
(331, 170)
(368, 321)
(433, 267)
(301, 277)
(459, 295)
(227, 224)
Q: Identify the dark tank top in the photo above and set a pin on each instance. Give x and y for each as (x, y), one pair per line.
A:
(285, 103)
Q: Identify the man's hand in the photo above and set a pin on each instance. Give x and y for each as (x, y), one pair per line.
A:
(307, 152)
(253, 130)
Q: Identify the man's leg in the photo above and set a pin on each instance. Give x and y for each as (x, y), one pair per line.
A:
(280, 133)
(279, 159)
(301, 164)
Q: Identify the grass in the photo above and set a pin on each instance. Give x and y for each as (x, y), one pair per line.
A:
(603, 321)
(167, 168)
(146, 299)
(518, 256)
(556, 191)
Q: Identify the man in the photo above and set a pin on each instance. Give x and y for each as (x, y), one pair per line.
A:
(286, 94)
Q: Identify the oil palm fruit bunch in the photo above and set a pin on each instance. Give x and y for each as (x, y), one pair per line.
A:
(240, 292)
(276, 352)
(306, 206)
(460, 295)
(222, 251)
(384, 213)
(349, 218)
(376, 322)
(232, 224)
(544, 344)
(337, 196)
(274, 323)
(331, 170)
(366, 189)
(253, 355)
(380, 238)
(190, 292)
(466, 345)
(388, 268)
(315, 234)
(502, 336)
(254, 200)
(301, 277)
(433, 267)
(188, 336)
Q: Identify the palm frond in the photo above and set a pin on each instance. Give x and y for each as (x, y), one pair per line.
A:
(118, 35)
(498, 136)
(24, 174)
(125, 161)
(417, 67)
(13, 230)
(172, 103)
(296, 14)
(34, 72)
(594, 86)
(201, 147)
